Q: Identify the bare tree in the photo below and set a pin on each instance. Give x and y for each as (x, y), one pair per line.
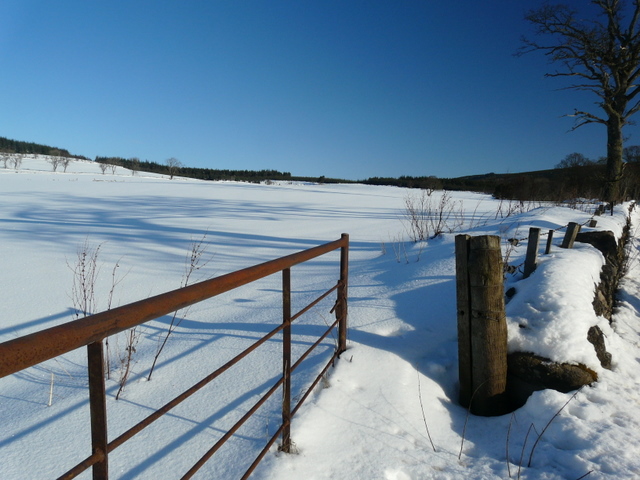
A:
(114, 164)
(173, 165)
(66, 161)
(103, 167)
(16, 161)
(55, 161)
(574, 160)
(602, 56)
(135, 165)
(632, 154)
(5, 157)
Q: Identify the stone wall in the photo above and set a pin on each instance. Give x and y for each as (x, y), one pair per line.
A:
(529, 372)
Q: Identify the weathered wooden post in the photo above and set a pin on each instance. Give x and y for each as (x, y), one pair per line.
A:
(570, 236)
(531, 260)
(463, 298)
(549, 243)
(482, 327)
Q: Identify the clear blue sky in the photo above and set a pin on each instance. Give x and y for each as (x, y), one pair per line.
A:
(348, 89)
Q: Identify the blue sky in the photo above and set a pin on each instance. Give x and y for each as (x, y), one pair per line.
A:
(349, 89)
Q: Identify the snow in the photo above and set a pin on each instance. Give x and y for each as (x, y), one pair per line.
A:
(397, 378)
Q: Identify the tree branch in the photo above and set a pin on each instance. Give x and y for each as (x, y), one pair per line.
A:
(584, 118)
(633, 110)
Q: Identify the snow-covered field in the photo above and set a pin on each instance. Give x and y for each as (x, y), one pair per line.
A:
(398, 376)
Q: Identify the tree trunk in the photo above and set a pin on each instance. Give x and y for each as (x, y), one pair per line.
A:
(614, 159)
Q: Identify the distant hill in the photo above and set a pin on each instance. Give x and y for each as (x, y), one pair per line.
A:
(8, 145)
(252, 176)
(558, 184)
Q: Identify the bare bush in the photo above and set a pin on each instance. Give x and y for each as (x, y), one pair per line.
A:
(114, 282)
(114, 166)
(417, 210)
(126, 358)
(441, 216)
(399, 248)
(55, 162)
(16, 161)
(400, 252)
(510, 245)
(507, 208)
(427, 216)
(477, 220)
(85, 275)
(193, 263)
(83, 291)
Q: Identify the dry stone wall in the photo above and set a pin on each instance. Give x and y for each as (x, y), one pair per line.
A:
(529, 372)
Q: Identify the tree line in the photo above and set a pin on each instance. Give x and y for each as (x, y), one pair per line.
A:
(8, 145)
(575, 176)
(174, 167)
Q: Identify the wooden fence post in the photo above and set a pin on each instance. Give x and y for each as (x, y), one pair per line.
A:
(549, 242)
(464, 319)
(531, 260)
(482, 327)
(570, 236)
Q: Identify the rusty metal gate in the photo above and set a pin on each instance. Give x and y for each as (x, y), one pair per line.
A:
(30, 350)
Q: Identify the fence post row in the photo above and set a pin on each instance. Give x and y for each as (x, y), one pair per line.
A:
(482, 325)
(534, 239)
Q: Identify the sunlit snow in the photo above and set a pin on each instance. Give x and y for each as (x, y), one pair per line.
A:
(401, 364)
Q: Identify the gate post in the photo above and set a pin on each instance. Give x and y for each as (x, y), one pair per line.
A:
(342, 307)
(482, 326)
(286, 361)
(98, 409)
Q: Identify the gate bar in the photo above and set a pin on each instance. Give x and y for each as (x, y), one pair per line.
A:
(29, 350)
